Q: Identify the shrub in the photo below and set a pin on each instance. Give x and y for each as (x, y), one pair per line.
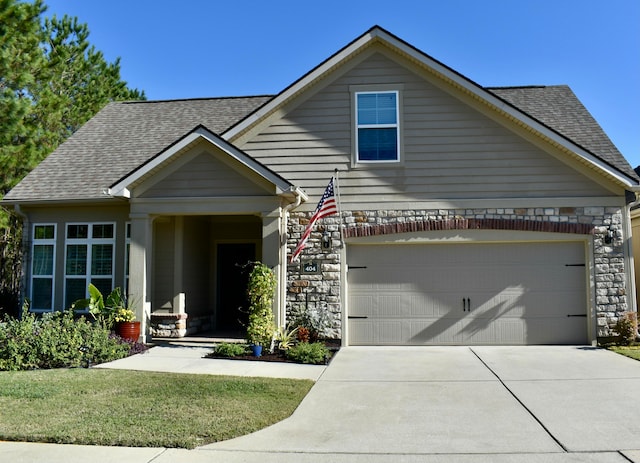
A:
(303, 334)
(316, 322)
(229, 349)
(627, 328)
(261, 289)
(316, 353)
(57, 340)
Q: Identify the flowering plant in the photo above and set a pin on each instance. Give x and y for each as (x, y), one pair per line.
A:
(122, 314)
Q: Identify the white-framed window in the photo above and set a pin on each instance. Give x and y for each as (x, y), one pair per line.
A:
(377, 135)
(43, 255)
(89, 258)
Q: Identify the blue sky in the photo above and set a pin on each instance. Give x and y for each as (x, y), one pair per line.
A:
(201, 48)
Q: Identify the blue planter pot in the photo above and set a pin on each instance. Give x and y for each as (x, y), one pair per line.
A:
(256, 350)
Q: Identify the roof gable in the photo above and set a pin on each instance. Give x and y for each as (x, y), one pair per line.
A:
(237, 163)
(567, 131)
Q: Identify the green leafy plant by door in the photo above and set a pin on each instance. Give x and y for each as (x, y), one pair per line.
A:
(261, 290)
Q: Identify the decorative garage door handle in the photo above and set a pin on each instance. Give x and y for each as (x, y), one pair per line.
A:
(466, 304)
(357, 317)
(577, 315)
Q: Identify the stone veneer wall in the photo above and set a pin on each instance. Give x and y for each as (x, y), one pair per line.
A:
(322, 291)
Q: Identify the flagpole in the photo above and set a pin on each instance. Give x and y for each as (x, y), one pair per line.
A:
(339, 206)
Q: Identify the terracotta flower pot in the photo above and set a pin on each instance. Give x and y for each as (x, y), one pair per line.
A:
(128, 330)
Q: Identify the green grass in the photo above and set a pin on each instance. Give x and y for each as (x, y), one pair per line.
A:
(629, 351)
(141, 409)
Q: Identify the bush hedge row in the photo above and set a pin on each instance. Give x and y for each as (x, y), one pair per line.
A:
(56, 340)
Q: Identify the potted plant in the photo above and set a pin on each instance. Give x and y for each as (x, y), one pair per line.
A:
(126, 325)
(261, 289)
(112, 313)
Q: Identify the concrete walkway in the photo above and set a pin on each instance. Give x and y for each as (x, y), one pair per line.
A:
(431, 404)
(189, 358)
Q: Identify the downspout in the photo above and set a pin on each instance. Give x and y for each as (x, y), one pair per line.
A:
(283, 255)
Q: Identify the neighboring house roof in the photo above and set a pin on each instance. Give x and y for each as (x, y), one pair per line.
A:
(120, 138)
(558, 108)
(124, 136)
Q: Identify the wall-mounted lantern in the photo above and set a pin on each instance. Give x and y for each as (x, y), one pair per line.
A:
(325, 240)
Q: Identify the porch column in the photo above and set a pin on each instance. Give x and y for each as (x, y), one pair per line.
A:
(271, 257)
(140, 253)
(178, 267)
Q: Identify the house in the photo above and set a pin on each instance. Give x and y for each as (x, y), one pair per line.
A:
(468, 215)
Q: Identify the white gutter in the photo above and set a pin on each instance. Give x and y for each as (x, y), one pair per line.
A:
(284, 224)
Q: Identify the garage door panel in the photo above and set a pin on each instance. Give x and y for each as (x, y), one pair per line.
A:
(526, 304)
(445, 331)
(511, 293)
(501, 331)
(361, 332)
(557, 330)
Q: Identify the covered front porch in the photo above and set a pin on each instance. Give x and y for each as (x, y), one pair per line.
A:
(200, 266)
(199, 212)
(189, 272)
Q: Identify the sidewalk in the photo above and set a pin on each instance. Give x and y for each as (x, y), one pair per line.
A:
(176, 357)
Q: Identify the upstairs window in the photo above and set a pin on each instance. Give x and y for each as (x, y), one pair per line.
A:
(377, 137)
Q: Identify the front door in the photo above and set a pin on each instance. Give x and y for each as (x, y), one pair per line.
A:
(232, 308)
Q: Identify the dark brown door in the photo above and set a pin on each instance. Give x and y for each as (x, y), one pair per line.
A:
(233, 273)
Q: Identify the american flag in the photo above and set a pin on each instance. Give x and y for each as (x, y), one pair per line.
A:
(326, 207)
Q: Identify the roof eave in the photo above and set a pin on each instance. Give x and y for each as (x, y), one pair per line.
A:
(47, 202)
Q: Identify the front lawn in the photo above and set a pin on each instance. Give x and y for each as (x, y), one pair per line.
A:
(141, 409)
(629, 351)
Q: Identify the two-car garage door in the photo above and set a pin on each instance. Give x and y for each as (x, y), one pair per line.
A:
(506, 293)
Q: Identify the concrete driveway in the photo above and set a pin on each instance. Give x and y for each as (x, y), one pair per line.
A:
(430, 404)
(446, 404)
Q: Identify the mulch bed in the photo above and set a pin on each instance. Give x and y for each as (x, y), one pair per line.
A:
(277, 355)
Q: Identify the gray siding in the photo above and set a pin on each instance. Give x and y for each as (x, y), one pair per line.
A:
(451, 151)
(204, 176)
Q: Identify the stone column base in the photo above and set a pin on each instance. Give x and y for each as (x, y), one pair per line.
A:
(169, 325)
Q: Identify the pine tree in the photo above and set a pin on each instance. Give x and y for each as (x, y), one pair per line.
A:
(51, 82)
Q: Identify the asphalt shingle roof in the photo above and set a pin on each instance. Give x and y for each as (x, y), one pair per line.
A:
(124, 135)
(558, 108)
(119, 138)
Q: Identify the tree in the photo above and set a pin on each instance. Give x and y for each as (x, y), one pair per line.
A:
(21, 60)
(51, 82)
